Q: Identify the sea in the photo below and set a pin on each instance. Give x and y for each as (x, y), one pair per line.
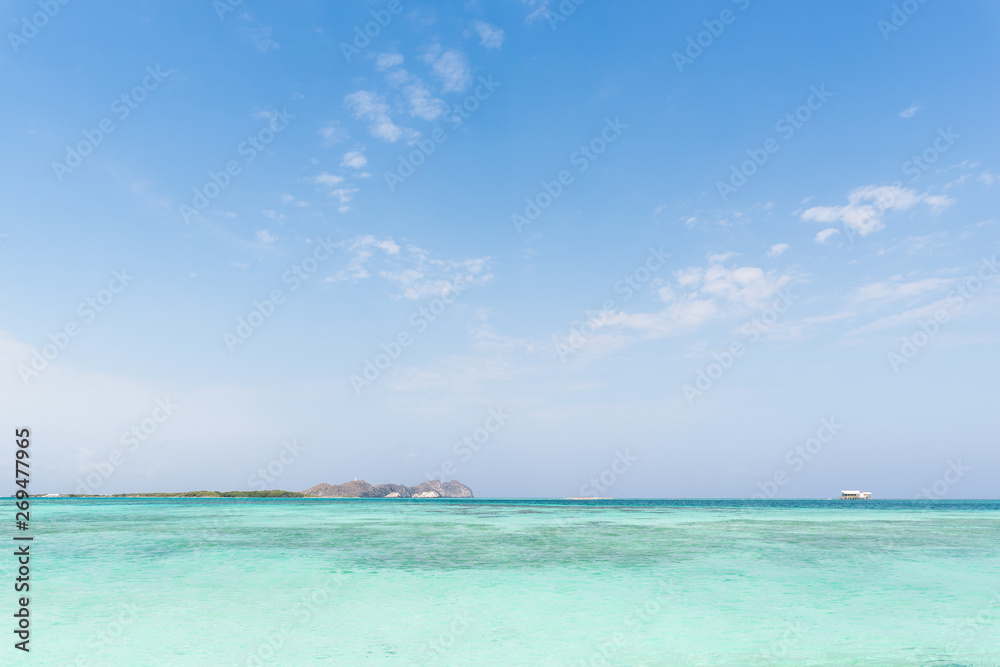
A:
(253, 582)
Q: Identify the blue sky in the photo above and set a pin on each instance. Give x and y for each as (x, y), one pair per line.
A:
(660, 243)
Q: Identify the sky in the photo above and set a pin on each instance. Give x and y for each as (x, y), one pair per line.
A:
(549, 249)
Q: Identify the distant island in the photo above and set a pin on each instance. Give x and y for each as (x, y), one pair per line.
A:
(362, 489)
(186, 494)
(353, 489)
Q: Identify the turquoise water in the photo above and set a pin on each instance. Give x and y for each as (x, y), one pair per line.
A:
(517, 582)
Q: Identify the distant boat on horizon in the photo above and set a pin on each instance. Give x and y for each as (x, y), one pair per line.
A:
(855, 495)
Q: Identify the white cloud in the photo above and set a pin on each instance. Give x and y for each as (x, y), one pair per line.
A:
(265, 237)
(410, 269)
(344, 196)
(336, 189)
(451, 67)
(909, 112)
(867, 205)
(748, 286)
(354, 159)
(258, 34)
(895, 288)
(907, 317)
(326, 179)
(434, 277)
(701, 294)
(273, 215)
(490, 36)
(777, 249)
(825, 235)
(332, 133)
(362, 249)
(422, 103)
(368, 105)
(290, 199)
(386, 61)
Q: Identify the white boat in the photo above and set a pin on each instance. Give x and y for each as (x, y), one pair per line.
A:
(855, 495)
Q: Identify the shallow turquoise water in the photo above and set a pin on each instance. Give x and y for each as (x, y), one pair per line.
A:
(518, 582)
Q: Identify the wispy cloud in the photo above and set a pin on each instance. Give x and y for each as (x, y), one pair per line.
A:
(369, 105)
(354, 160)
(422, 103)
(386, 61)
(343, 196)
(326, 178)
(698, 295)
(258, 34)
(417, 97)
(896, 288)
(333, 133)
(410, 268)
(909, 112)
(451, 67)
(868, 204)
(824, 236)
(490, 36)
(777, 249)
(291, 199)
(907, 317)
(335, 188)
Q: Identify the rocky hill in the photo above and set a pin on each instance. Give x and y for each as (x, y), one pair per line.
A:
(362, 489)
